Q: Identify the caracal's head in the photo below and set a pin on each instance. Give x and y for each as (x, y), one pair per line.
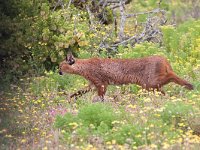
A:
(66, 66)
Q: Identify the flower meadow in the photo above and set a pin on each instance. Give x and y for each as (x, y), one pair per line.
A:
(37, 113)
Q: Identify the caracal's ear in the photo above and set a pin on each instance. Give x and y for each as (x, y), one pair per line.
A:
(70, 58)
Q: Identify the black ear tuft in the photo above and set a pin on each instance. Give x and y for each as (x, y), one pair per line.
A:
(70, 59)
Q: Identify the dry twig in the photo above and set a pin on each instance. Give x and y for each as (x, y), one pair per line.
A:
(150, 32)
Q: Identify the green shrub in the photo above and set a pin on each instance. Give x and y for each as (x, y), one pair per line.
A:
(53, 82)
(99, 119)
(64, 122)
(157, 129)
(176, 112)
(183, 41)
(97, 114)
(141, 50)
(128, 133)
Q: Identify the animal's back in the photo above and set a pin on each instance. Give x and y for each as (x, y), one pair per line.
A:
(124, 71)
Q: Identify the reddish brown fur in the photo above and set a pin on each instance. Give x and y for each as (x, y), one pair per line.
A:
(149, 72)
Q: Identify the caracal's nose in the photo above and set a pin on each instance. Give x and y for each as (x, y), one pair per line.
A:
(60, 73)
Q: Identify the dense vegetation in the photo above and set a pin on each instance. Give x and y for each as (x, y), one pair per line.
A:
(35, 109)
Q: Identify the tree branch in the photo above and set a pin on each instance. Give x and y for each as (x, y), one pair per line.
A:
(148, 12)
(151, 31)
(90, 16)
(122, 21)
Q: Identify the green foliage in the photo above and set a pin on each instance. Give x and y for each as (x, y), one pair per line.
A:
(178, 11)
(100, 119)
(177, 112)
(182, 45)
(91, 119)
(141, 50)
(97, 114)
(53, 82)
(151, 4)
(65, 121)
(34, 36)
(55, 31)
(128, 133)
(183, 41)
